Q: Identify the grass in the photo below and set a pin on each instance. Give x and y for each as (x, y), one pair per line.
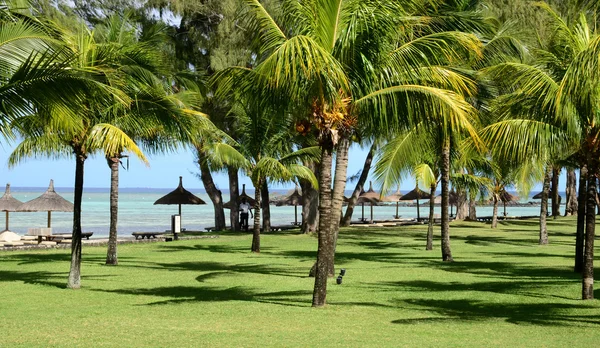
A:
(503, 290)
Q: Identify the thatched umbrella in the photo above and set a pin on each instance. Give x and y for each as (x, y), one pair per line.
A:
(452, 200)
(9, 203)
(416, 194)
(49, 201)
(249, 199)
(394, 197)
(368, 197)
(179, 196)
(507, 197)
(294, 199)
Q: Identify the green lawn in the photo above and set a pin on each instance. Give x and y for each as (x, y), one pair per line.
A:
(503, 290)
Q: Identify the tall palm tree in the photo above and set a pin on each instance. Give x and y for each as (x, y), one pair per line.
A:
(340, 62)
(56, 133)
(558, 111)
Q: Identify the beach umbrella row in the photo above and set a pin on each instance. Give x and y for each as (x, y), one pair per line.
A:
(49, 201)
(416, 194)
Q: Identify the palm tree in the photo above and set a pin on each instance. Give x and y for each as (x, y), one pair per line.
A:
(93, 128)
(322, 56)
(557, 113)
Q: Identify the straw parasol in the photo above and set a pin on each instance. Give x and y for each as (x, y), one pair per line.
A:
(9, 203)
(395, 197)
(49, 201)
(416, 194)
(452, 200)
(249, 199)
(507, 197)
(294, 199)
(368, 197)
(179, 196)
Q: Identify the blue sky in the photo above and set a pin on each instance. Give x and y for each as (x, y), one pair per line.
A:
(163, 172)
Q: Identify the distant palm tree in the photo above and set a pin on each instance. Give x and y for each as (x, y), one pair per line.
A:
(555, 114)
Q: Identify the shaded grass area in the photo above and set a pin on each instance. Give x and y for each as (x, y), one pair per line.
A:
(503, 290)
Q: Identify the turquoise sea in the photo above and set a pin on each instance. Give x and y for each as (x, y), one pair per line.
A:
(138, 213)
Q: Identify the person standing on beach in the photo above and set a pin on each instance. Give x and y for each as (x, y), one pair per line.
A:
(244, 210)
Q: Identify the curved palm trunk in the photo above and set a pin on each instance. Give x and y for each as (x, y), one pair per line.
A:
(339, 185)
(446, 252)
(256, 228)
(211, 190)
(310, 207)
(571, 193)
(266, 209)
(495, 211)
(472, 210)
(111, 253)
(544, 208)
(429, 245)
(234, 193)
(581, 214)
(325, 234)
(74, 281)
(360, 185)
(587, 291)
(554, 193)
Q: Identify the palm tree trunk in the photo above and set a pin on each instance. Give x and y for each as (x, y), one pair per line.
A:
(111, 253)
(310, 204)
(571, 192)
(256, 228)
(325, 236)
(339, 185)
(266, 209)
(495, 211)
(211, 190)
(234, 192)
(581, 214)
(544, 208)
(446, 252)
(74, 281)
(429, 245)
(472, 210)
(554, 192)
(462, 207)
(360, 185)
(587, 291)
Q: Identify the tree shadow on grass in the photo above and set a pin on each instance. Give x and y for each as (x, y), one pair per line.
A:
(220, 267)
(543, 314)
(53, 279)
(214, 248)
(188, 294)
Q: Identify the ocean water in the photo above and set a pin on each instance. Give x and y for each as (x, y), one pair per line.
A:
(137, 212)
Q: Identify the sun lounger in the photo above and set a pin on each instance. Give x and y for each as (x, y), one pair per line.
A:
(147, 235)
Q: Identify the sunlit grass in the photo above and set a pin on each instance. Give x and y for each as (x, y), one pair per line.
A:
(503, 290)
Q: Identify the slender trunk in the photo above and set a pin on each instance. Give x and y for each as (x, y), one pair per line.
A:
(429, 245)
(554, 192)
(544, 208)
(571, 193)
(587, 289)
(325, 237)
(256, 228)
(581, 213)
(74, 281)
(211, 190)
(446, 252)
(496, 198)
(310, 203)
(360, 185)
(111, 253)
(234, 192)
(339, 185)
(266, 209)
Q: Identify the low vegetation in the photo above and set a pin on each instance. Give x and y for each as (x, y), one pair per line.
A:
(502, 290)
